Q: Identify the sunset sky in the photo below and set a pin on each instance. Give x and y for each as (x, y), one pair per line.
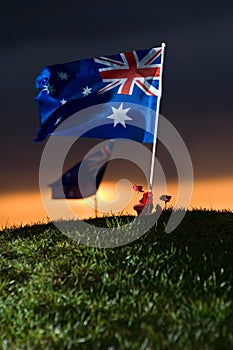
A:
(196, 99)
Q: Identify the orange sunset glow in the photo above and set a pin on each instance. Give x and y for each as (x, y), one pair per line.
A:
(27, 207)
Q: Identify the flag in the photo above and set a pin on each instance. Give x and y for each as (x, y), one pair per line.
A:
(84, 178)
(106, 97)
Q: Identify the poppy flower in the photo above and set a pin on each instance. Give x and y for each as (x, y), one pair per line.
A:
(147, 198)
(138, 188)
(145, 202)
(165, 198)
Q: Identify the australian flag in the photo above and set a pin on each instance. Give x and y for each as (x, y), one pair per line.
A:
(106, 97)
(84, 178)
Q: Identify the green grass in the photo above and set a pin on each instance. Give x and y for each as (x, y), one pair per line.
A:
(163, 291)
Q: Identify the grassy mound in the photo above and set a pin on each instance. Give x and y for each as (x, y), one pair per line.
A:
(162, 291)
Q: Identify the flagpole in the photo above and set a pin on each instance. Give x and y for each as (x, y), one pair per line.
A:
(96, 207)
(156, 124)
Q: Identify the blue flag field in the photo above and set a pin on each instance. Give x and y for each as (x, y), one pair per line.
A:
(106, 97)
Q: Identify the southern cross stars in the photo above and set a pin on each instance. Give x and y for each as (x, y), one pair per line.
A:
(58, 121)
(62, 75)
(63, 101)
(119, 115)
(86, 91)
(49, 89)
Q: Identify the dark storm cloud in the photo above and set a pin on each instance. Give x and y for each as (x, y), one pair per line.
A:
(197, 82)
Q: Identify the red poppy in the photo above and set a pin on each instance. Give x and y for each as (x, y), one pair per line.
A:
(165, 198)
(147, 198)
(137, 188)
(145, 202)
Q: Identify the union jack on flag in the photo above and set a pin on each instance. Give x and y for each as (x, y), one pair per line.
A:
(130, 71)
(110, 97)
(99, 158)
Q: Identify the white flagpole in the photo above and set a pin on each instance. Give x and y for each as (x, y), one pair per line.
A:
(156, 124)
(96, 207)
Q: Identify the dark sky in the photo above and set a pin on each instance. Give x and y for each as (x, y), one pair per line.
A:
(197, 80)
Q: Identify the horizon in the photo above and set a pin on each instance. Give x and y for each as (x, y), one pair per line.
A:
(32, 210)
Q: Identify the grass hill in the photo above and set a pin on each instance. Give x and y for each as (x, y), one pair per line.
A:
(162, 291)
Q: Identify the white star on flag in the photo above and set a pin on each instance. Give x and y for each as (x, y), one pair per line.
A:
(63, 101)
(119, 115)
(86, 91)
(63, 75)
(49, 89)
(58, 121)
